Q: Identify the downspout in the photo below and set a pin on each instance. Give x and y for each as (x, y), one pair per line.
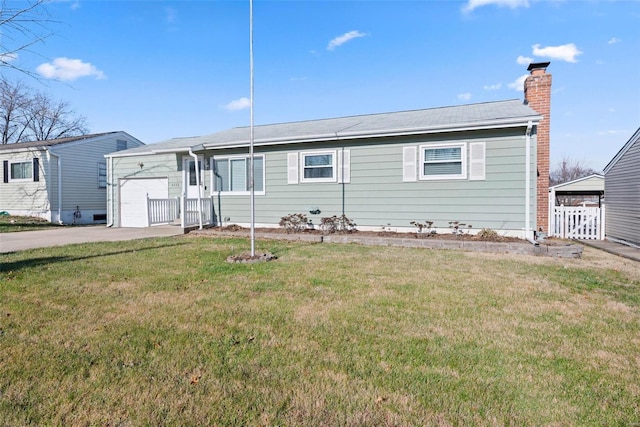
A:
(527, 199)
(111, 190)
(195, 158)
(59, 162)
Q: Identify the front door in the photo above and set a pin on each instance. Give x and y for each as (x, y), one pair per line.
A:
(190, 180)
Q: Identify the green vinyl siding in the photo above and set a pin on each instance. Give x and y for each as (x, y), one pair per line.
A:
(377, 196)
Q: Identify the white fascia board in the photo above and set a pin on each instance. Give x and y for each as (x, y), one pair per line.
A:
(149, 152)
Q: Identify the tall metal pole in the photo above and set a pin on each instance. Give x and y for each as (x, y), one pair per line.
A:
(251, 178)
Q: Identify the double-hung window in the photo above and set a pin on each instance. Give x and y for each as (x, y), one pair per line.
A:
(231, 174)
(443, 161)
(318, 167)
(21, 171)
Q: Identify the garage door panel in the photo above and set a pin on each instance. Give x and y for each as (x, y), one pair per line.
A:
(133, 199)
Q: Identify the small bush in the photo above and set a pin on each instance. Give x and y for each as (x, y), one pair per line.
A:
(337, 224)
(423, 226)
(294, 223)
(488, 235)
(457, 227)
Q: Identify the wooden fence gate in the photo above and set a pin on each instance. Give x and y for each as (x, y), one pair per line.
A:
(578, 222)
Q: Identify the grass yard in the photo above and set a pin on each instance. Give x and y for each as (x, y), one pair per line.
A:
(11, 223)
(165, 332)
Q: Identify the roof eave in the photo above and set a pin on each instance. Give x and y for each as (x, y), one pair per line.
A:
(490, 124)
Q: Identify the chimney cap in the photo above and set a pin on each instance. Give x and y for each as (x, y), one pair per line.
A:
(538, 66)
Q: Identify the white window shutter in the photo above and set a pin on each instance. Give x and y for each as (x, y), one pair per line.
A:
(344, 166)
(292, 168)
(477, 161)
(409, 164)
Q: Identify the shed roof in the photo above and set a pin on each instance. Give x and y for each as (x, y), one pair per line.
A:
(592, 184)
(487, 115)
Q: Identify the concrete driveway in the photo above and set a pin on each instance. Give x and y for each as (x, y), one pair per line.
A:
(11, 242)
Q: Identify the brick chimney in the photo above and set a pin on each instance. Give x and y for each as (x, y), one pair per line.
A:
(537, 94)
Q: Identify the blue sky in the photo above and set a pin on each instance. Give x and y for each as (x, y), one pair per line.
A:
(165, 69)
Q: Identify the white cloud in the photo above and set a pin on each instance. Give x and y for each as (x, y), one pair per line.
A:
(512, 4)
(524, 60)
(614, 40)
(566, 52)
(496, 86)
(518, 84)
(464, 96)
(67, 69)
(238, 104)
(340, 40)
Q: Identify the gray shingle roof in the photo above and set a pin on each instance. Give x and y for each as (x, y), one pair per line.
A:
(443, 119)
(50, 142)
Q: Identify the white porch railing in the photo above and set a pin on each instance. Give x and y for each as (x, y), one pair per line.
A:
(168, 211)
(578, 222)
(162, 211)
(190, 217)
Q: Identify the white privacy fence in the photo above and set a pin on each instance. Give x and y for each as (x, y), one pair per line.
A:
(578, 222)
(182, 209)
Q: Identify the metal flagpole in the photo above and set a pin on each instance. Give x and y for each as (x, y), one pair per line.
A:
(251, 178)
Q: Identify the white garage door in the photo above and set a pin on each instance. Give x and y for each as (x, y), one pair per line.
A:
(133, 199)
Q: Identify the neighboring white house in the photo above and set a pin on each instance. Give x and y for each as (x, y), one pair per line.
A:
(62, 180)
(622, 187)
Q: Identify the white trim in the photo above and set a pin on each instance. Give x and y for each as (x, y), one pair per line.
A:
(463, 161)
(30, 179)
(334, 174)
(214, 188)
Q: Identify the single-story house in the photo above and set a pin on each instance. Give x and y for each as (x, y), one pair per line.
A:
(622, 189)
(477, 164)
(62, 180)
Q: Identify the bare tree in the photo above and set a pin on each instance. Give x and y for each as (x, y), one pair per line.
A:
(14, 103)
(568, 170)
(26, 115)
(48, 119)
(20, 29)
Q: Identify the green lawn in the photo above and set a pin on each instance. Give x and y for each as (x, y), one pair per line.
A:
(165, 332)
(10, 223)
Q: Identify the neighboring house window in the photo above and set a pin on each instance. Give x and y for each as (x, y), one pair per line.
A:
(318, 167)
(21, 171)
(102, 174)
(231, 174)
(443, 161)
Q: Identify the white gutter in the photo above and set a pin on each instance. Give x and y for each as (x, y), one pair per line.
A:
(527, 198)
(59, 162)
(195, 158)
